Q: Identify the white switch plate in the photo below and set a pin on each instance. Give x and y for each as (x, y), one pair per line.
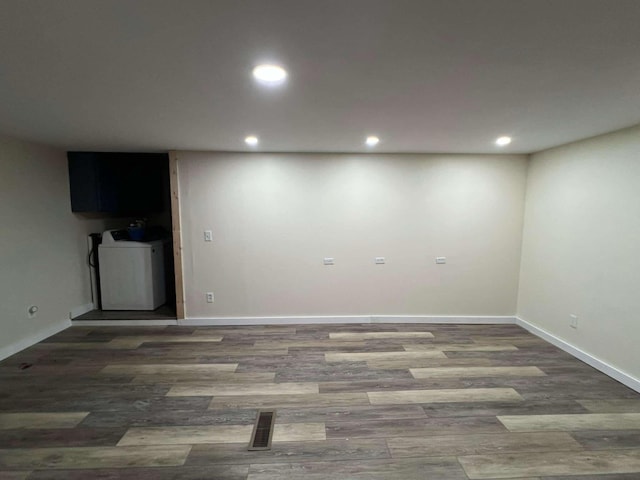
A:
(209, 297)
(208, 236)
(573, 321)
(328, 261)
(441, 260)
(380, 260)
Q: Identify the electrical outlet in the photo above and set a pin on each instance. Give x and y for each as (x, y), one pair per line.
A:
(573, 320)
(380, 260)
(328, 261)
(441, 260)
(209, 297)
(208, 236)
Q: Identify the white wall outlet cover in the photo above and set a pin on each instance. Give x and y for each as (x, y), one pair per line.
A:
(441, 260)
(380, 260)
(208, 236)
(209, 296)
(328, 261)
(573, 320)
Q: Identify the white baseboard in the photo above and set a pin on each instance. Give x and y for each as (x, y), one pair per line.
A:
(345, 319)
(476, 320)
(587, 358)
(81, 310)
(123, 323)
(297, 320)
(31, 340)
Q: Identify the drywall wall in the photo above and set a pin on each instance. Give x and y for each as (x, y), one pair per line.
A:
(274, 217)
(42, 246)
(581, 245)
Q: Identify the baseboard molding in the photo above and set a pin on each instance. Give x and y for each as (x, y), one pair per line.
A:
(123, 323)
(344, 319)
(587, 358)
(294, 320)
(468, 320)
(81, 310)
(31, 340)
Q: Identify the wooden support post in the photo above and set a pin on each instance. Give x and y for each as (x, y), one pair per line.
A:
(177, 237)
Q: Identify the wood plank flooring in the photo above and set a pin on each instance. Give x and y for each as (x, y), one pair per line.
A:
(375, 401)
(165, 312)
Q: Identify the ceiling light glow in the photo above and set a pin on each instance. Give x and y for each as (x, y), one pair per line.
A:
(270, 74)
(502, 141)
(251, 140)
(372, 141)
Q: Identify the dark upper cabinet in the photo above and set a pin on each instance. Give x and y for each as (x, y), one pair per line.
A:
(123, 183)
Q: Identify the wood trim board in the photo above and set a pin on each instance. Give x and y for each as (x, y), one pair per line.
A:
(176, 233)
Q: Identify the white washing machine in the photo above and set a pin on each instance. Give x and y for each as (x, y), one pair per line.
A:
(131, 273)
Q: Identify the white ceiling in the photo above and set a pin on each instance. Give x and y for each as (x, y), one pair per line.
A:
(424, 75)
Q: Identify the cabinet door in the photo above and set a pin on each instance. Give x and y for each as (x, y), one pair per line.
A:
(110, 196)
(83, 182)
(140, 182)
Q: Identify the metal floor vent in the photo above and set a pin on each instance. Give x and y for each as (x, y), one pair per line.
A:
(263, 430)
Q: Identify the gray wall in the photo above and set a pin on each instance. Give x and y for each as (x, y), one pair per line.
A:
(43, 245)
(275, 216)
(581, 249)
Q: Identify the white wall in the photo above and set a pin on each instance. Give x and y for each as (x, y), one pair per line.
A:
(275, 216)
(42, 246)
(581, 249)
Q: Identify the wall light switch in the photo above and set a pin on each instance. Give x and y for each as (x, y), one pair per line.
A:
(441, 260)
(209, 297)
(208, 236)
(380, 261)
(328, 261)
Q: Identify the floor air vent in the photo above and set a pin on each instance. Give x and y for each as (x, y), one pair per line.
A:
(263, 430)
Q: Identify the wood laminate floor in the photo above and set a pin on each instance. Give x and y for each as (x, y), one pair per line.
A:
(355, 402)
(164, 312)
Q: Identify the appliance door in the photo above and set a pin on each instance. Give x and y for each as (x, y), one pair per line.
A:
(132, 278)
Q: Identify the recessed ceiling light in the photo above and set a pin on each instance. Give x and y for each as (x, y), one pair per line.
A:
(251, 140)
(372, 141)
(502, 141)
(270, 74)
